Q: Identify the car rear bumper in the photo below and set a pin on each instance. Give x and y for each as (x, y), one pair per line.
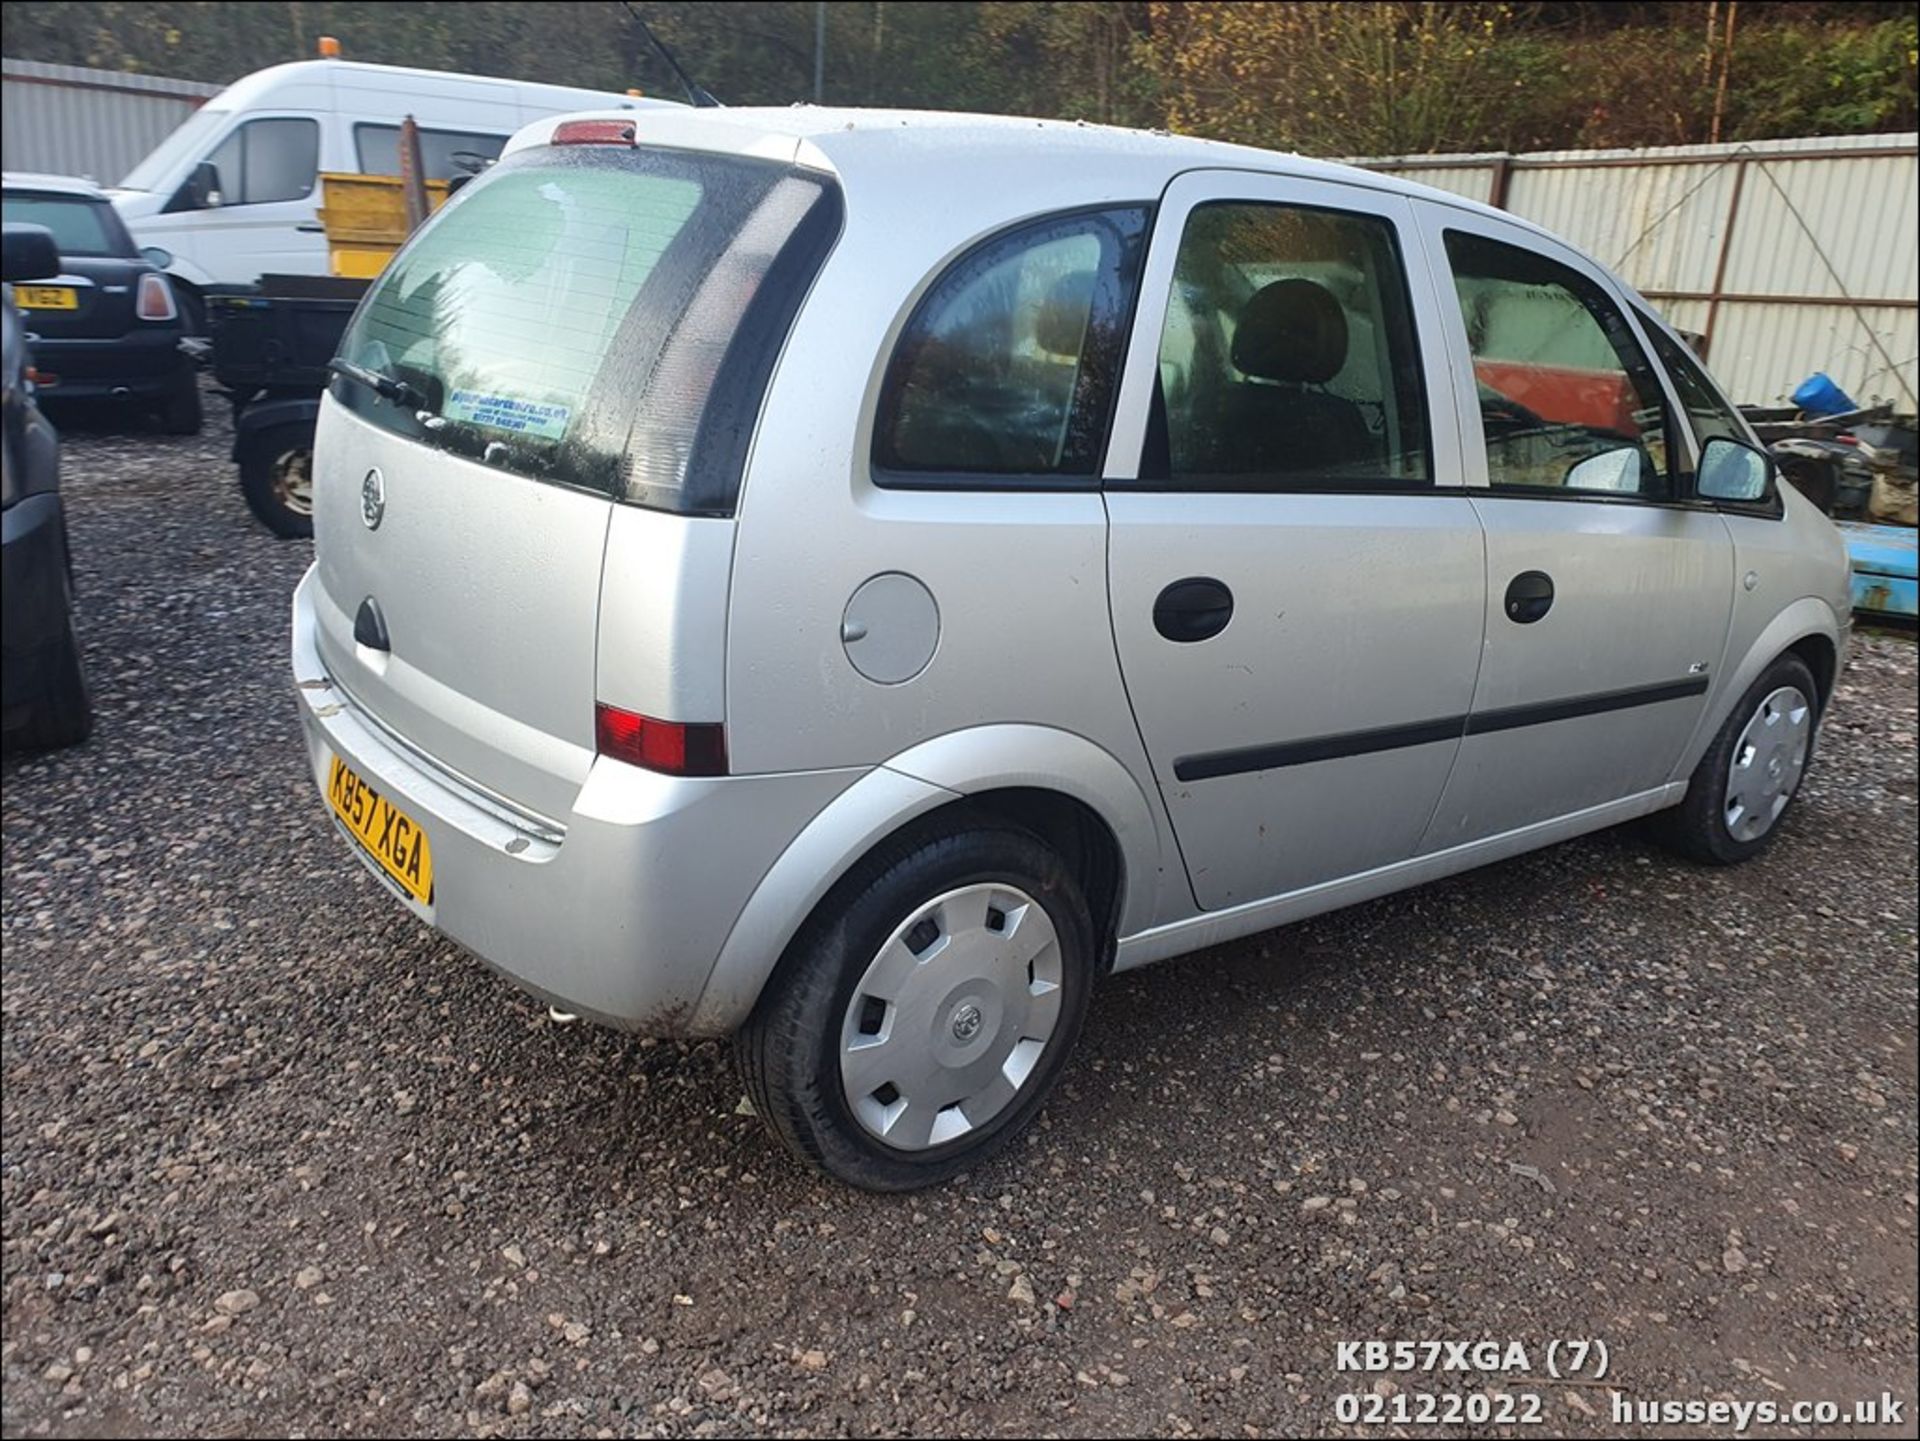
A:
(619, 909)
(33, 593)
(140, 365)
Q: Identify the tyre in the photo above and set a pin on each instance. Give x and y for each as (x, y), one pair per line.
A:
(62, 715)
(1745, 783)
(193, 309)
(276, 476)
(923, 1013)
(179, 413)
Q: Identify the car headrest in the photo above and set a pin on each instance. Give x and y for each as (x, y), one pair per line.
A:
(1060, 323)
(1291, 330)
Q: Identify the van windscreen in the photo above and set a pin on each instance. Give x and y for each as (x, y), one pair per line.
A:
(597, 317)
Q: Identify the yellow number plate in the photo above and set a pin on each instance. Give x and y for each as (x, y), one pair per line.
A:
(46, 297)
(390, 835)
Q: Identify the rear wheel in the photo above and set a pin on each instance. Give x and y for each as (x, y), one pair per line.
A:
(276, 475)
(919, 1020)
(180, 411)
(1744, 784)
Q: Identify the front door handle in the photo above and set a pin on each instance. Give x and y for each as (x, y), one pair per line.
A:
(1529, 596)
(311, 227)
(1193, 609)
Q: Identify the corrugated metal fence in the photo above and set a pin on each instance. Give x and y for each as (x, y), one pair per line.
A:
(66, 120)
(1790, 256)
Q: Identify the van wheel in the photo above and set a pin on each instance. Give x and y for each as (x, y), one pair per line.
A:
(276, 476)
(923, 1013)
(193, 309)
(180, 411)
(1744, 784)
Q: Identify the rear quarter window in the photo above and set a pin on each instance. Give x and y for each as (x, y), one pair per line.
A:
(1006, 372)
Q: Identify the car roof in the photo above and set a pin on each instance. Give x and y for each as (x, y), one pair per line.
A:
(52, 184)
(842, 139)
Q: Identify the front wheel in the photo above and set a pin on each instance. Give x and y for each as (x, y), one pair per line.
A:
(922, 1015)
(62, 714)
(193, 309)
(1744, 784)
(276, 475)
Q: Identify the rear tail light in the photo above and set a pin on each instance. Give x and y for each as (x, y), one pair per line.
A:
(155, 301)
(594, 132)
(670, 747)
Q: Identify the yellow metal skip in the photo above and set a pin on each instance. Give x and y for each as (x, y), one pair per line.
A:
(366, 219)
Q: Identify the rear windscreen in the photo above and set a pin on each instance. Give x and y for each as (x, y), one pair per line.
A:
(80, 226)
(596, 316)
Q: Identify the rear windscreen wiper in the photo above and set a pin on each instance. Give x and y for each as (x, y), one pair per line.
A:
(456, 435)
(386, 387)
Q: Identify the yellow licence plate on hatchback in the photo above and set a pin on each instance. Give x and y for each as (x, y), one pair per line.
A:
(46, 297)
(391, 836)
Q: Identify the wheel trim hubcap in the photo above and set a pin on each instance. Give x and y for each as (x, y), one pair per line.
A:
(293, 482)
(951, 1017)
(1768, 761)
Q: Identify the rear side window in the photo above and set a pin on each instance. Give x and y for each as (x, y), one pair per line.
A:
(1288, 359)
(1007, 369)
(80, 226)
(1568, 401)
(597, 317)
(268, 160)
(443, 153)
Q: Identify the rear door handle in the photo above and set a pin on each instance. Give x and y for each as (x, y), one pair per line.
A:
(370, 627)
(1529, 596)
(1193, 609)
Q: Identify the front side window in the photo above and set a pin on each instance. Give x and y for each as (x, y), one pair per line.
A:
(268, 160)
(1568, 402)
(80, 226)
(1288, 359)
(1009, 365)
(443, 153)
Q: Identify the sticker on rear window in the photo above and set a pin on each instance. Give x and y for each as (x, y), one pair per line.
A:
(503, 412)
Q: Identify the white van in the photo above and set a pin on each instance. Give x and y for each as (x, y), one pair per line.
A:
(234, 193)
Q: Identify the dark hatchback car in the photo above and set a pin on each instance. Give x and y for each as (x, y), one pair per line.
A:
(107, 329)
(45, 700)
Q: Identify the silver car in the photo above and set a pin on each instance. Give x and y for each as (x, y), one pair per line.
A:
(851, 580)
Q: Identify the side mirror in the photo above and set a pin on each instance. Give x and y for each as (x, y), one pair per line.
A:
(28, 253)
(1616, 470)
(200, 190)
(157, 256)
(1733, 471)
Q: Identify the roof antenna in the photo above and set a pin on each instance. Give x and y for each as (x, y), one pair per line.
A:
(697, 94)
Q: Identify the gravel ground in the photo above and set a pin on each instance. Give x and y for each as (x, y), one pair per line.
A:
(276, 1160)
